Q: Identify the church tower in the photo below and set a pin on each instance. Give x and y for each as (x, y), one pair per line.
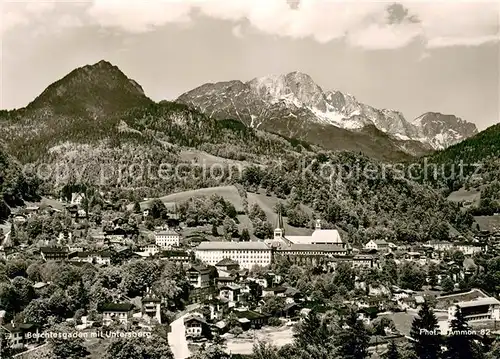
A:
(279, 230)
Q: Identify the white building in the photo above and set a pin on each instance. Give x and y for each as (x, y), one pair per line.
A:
(247, 254)
(167, 239)
(378, 245)
(487, 308)
(469, 248)
(77, 198)
(318, 237)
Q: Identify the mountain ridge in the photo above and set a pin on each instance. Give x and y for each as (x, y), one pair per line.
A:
(295, 94)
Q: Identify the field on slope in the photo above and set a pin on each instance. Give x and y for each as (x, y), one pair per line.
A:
(473, 195)
(229, 193)
(267, 204)
(203, 158)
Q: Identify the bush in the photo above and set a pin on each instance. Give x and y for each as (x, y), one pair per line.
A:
(274, 322)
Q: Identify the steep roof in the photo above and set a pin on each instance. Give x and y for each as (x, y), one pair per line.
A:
(226, 262)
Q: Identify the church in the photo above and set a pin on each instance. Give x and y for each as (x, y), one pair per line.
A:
(313, 249)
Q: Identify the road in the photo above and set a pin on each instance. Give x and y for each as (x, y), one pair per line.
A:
(177, 339)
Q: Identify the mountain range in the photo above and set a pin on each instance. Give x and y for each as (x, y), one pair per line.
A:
(90, 104)
(272, 102)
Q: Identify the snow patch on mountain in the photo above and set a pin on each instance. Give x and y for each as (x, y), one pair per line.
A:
(296, 95)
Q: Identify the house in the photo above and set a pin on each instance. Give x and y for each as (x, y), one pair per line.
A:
(150, 249)
(175, 256)
(274, 291)
(21, 334)
(415, 257)
(250, 319)
(195, 326)
(116, 311)
(151, 305)
(77, 198)
(378, 245)
(167, 239)
(226, 266)
(230, 292)
(54, 253)
(440, 246)
(363, 261)
(198, 276)
(20, 218)
(97, 257)
(470, 249)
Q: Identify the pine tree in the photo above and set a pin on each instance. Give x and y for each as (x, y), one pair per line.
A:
(13, 235)
(392, 351)
(245, 236)
(460, 343)
(352, 338)
(425, 332)
(137, 207)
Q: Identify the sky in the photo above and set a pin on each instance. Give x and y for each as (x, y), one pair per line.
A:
(415, 57)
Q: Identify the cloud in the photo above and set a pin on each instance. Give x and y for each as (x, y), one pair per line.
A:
(369, 25)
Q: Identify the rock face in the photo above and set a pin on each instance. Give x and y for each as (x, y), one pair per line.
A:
(442, 131)
(266, 102)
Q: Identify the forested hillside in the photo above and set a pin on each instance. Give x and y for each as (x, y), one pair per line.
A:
(14, 186)
(471, 164)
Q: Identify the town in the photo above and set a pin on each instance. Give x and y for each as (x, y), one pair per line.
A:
(146, 267)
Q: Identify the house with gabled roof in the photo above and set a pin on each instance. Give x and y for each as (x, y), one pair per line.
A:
(121, 312)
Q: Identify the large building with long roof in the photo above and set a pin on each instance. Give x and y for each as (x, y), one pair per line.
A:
(246, 254)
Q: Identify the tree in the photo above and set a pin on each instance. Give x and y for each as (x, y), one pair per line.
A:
(390, 271)
(212, 352)
(263, 230)
(5, 344)
(257, 213)
(24, 289)
(447, 284)
(411, 277)
(351, 338)
(158, 209)
(215, 233)
(344, 275)
(392, 351)
(229, 227)
(273, 305)
(68, 348)
(153, 347)
(245, 236)
(460, 343)
(432, 274)
(425, 332)
(137, 207)
(264, 350)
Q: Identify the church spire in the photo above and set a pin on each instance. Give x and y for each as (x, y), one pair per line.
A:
(279, 230)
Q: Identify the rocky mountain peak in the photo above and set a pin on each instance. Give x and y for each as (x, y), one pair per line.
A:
(91, 90)
(296, 95)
